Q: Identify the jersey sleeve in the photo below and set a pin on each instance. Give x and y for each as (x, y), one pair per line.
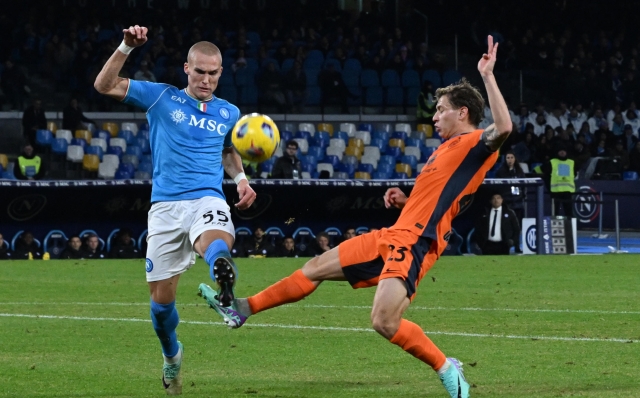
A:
(227, 138)
(144, 94)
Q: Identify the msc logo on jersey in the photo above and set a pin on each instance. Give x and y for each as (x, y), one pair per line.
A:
(178, 116)
(224, 113)
(208, 124)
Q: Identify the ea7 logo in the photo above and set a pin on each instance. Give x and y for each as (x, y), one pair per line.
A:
(178, 99)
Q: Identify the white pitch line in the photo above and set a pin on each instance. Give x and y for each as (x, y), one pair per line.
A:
(328, 328)
(367, 307)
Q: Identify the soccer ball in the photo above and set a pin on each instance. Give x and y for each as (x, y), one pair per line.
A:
(255, 137)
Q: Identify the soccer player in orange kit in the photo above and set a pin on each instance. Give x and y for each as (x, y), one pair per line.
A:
(396, 258)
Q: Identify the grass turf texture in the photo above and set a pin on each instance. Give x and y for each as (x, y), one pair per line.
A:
(103, 345)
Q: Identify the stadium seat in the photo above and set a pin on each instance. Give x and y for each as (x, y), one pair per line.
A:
(335, 151)
(17, 236)
(65, 134)
(630, 175)
(369, 78)
(372, 151)
(394, 151)
(364, 136)
(432, 142)
(145, 166)
(121, 142)
(242, 234)
(59, 146)
(44, 138)
(54, 243)
(412, 142)
(130, 127)
(106, 171)
(128, 136)
(75, 153)
(115, 150)
(275, 235)
(303, 237)
(390, 78)
(426, 153)
(405, 127)
(356, 142)
(90, 163)
(79, 142)
(94, 150)
(433, 76)
(104, 134)
(131, 159)
(451, 77)
(322, 136)
(84, 134)
(382, 128)
(334, 235)
(287, 65)
(366, 167)
(134, 150)
(353, 152)
(144, 144)
(397, 142)
(374, 96)
(427, 129)
(362, 175)
(328, 127)
(411, 160)
(340, 175)
(122, 175)
(395, 96)
(365, 127)
(4, 161)
(112, 128)
(419, 167)
(410, 78)
(307, 127)
(337, 143)
(352, 64)
(303, 134)
(303, 144)
(141, 175)
(381, 175)
(412, 151)
(326, 167)
(386, 159)
(285, 135)
(368, 160)
(403, 168)
(52, 126)
(399, 176)
(348, 128)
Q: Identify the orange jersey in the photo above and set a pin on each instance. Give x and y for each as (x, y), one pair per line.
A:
(446, 186)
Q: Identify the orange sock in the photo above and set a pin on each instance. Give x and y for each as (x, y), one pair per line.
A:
(412, 339)
(288, 290)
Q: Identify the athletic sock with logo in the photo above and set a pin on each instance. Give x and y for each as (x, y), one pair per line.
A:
(412, 339)
(165, 320)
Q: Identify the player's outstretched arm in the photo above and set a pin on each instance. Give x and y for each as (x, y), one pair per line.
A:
(394, 197)
(232, 163)
(108, 82)
(497, 133)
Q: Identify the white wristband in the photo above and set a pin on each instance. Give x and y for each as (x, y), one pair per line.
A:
(124, 48)
(240, 177)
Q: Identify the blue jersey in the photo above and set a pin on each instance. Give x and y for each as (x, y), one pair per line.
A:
(187, 137)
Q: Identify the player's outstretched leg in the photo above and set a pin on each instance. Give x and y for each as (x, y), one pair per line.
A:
(222, 270)
(165, 320)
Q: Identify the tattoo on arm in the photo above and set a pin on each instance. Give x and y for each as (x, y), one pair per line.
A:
(492, 137)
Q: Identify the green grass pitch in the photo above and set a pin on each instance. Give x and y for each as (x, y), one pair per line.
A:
(552, 326)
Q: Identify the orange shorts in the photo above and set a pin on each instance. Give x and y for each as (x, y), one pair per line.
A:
(387, 253)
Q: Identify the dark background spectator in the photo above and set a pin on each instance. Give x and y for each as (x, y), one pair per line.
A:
(73, 118)
(288, 165)
(92, 248)
(5, 249)
(124, 246)
(498, 228)
(73, 249)
(33, 119)
(319, 245)
(258, 245)
(288, 248)
(27, 248)
(296, 88)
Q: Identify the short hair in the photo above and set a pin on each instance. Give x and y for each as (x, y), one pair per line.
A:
(464, 94)
(292, 143)
(206, 48)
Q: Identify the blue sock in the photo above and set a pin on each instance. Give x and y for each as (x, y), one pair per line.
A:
(165, 320)
(218, 248)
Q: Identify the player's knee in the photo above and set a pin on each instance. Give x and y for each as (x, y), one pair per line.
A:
(384, 323)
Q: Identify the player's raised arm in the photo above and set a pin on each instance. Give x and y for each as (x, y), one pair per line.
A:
(497, 133)
(108, 82)
(232, 163)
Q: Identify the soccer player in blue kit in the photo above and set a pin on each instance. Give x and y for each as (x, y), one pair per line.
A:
(190, 136)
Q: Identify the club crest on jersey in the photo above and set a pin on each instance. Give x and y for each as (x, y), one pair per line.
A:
(224, 113)
(178, 116)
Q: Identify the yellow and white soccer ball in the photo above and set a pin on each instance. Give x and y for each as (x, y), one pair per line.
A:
(255, 137)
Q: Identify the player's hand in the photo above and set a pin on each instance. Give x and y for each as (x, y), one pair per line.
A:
(135, 36)
(394, 197)
(488, 60)
(247, 195)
